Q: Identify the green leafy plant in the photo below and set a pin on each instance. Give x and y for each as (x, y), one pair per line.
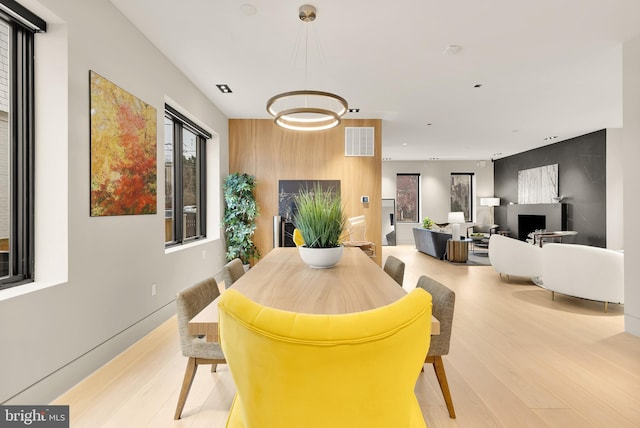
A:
(240, 213)
(427, 223)
(319, 217)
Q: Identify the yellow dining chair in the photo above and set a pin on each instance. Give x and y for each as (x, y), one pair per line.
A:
(295, 370)
(297, 237)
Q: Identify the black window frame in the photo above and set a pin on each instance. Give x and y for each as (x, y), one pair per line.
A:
(181, 122)
(418, 196)
(22, 27)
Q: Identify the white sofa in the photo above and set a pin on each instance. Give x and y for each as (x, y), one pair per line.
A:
(513, 257)
(583, 271)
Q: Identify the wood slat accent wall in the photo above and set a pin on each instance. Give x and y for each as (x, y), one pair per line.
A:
(270, 153)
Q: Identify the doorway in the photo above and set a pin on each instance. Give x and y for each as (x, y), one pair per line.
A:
(388, 221)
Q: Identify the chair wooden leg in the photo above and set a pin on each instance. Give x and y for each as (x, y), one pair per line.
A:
(606, 307)
(438, 367)
(189, 374)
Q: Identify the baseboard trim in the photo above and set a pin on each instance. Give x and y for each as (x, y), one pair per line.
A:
(55, 384)
(632, 325)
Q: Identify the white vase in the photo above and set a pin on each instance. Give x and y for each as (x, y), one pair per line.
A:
(455, 231)
(322, 258)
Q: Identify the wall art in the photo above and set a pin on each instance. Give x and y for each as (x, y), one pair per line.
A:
(462, 194)
(123, 151)
(538, 185)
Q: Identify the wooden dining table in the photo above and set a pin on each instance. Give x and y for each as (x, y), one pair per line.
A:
(282, 281)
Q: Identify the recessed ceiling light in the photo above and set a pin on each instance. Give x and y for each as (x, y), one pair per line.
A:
(404, 144)
(353, 110)
(429, 124)
(452, 50)
(553, 137)
(225, 89)
(478, 85)
(248, 9)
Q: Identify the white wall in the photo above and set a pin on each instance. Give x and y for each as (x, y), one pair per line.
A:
(92, 295)
(435, 191)
(631, 148)
(615, 194)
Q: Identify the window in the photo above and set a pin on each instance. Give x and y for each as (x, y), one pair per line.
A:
(407, 191)
(185, 178)
(17, 28)
(462, 193)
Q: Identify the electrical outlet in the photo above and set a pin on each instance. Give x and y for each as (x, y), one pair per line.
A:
(154, 289)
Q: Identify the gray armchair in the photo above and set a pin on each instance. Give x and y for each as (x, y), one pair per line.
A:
(189, 302)
(231, 272)
(443, 303)
(485, 229)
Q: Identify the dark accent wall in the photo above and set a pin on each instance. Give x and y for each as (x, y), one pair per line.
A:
(581, 180)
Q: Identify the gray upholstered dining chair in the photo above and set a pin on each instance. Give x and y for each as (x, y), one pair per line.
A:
(443, 302)
(394, 267)
(231, 272)
(189, 302)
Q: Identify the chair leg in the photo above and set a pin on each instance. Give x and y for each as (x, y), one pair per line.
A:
(438, 367)
(606, 307)
(189, 374)
(214, 367)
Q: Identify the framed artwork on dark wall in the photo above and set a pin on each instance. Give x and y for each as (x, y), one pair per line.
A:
(538, 185)
(288, 189)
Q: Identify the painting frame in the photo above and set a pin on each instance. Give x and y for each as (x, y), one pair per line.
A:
(538, 185)
(123, 151)
(462, 194)
(288, 189)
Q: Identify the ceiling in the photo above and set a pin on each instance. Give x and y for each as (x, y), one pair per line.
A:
(547, 68)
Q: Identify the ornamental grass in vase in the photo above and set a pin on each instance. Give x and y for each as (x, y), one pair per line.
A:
(321, 222)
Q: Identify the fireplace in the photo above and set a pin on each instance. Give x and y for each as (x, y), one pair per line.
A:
(551, 217)
(528, 223)
(282, 232)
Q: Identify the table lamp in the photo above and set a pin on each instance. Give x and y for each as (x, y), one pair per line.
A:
(455, 219)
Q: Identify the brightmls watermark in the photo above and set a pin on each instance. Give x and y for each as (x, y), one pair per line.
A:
(34, 416)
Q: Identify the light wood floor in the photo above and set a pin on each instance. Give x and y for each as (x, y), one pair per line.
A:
(517, 359)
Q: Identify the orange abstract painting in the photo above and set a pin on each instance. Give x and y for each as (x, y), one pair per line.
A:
(123, 151)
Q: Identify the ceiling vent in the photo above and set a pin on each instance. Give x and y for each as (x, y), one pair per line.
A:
(358, 141)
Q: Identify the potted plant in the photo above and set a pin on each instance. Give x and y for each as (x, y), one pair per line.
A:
(320, 220)
(427, 223)
(240, 213)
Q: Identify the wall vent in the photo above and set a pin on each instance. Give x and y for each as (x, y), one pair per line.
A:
(358, 141)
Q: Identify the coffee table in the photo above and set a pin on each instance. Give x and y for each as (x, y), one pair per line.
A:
(479, 242)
